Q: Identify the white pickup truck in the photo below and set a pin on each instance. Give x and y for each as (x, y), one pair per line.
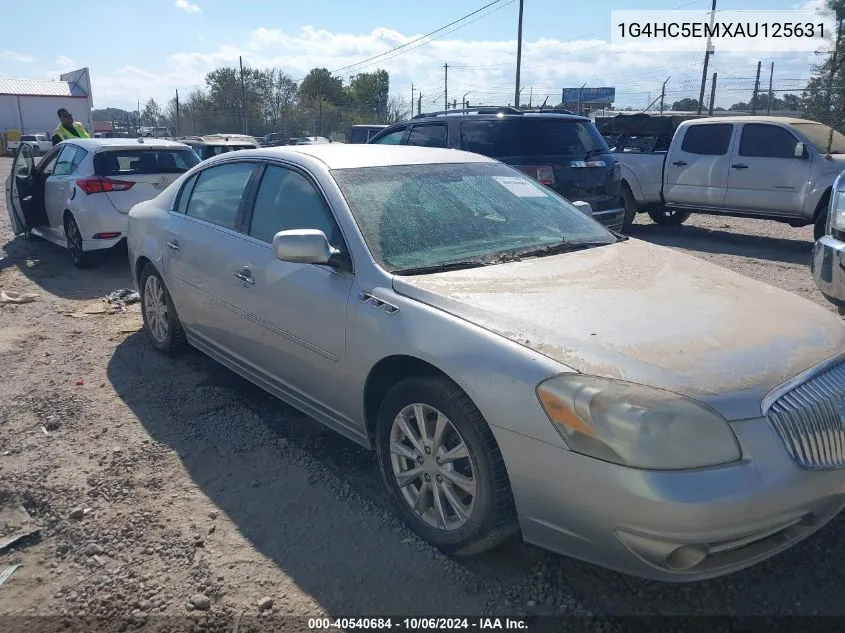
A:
(40, 144)
(766, 167)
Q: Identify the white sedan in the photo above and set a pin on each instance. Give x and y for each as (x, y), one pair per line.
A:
(80, 193)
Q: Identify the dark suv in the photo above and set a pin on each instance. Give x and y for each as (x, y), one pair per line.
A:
(563, 151)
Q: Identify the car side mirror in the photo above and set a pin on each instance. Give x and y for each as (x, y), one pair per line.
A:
(799, 150)
(304, 246)
(584, 207)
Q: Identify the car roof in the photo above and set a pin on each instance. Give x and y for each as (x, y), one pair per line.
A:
(751, 119)
(91, 144)
(485, 115)
(343, 156)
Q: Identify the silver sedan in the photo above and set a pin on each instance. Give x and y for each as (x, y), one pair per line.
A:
(516, 366)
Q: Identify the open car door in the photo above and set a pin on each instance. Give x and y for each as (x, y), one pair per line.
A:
(19, 190)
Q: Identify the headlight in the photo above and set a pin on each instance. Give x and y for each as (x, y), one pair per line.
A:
(636, 426)
(837, 211)
(617, 171)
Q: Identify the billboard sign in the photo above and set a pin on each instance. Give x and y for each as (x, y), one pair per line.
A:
(589, 95)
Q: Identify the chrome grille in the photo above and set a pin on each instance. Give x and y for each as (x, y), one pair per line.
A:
(810, 420)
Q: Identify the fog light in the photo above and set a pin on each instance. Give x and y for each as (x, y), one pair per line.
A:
(106, 236)
(687, 557)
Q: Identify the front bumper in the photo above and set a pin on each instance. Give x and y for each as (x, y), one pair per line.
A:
(672, 526)
(611, 218)
(828, 268)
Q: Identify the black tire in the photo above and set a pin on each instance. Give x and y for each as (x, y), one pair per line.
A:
(173, 342)
(841, 310)
(820, 225)
(668, 217)
(81, 259)
(630, 208)
(493, 517)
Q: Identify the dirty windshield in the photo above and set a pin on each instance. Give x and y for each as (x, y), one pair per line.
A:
(821, 135)
(418, 216)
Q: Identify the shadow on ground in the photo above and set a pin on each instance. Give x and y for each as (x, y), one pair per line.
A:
(718, 241)
(230, 434)
(50, 267)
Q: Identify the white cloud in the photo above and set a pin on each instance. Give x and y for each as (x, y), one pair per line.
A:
(485, 69)
(187, 6)
(63, 61)
(14, 56)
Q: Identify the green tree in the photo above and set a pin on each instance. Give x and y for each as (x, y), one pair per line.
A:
(824, 97)
(369, 94)
(152, 113)
(320, 85)
(686, 105)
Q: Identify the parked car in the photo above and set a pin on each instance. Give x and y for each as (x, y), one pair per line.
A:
(39, 143)
(237, 138)
(505, 354)
(562, 151)
(207, 147)
(312, 140)
(766, 167)
(274, 139)
(80, 192)
(828, 261)
(362, 133)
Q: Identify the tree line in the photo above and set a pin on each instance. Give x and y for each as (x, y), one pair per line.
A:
(259, 101)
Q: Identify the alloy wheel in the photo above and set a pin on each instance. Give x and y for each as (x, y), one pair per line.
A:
(432, 467)
(155, 309)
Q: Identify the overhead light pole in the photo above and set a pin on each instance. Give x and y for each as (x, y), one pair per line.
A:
(518, 57)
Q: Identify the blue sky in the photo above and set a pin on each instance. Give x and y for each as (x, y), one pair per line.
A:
(140, 50)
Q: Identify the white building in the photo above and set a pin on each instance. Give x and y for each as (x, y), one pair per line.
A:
(29, 106)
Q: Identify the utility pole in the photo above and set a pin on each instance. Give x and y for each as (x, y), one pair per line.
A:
(243, 95)
(756, 90)
(412, 101)
(707, 53)
(518, 56)
(663, 93)
(445, 86)
(713, 94)
(771, 92)
(419, 105)
(530, 97)
(464, 101)
(177, 113)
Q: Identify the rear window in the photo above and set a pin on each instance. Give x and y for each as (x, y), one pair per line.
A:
(128, 162)
(531, 137)
(712, 139)
(359, 135)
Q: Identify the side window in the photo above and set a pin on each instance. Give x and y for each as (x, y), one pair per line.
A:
(428, 135)
(766, 141)
(288, 200)
(185, 194)
(708, 139)
(48, 163)
(217, 194)
(69, 160)
(394, 138)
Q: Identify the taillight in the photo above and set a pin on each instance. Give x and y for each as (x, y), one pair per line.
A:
(102, 185)
(541, 173)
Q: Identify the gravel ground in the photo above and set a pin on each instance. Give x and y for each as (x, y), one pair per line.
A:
(175, 487)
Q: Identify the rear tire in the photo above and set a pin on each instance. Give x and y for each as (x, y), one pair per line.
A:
(820, 225)
(429, 500)
(668, 217)
(80, 258)
(630, 208)
(161, 322)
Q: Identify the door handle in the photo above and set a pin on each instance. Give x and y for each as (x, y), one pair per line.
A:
(739, 166)
(680, 163)
(174, 245)
(245, 276)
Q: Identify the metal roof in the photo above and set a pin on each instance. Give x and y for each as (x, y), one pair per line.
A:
(40, 88)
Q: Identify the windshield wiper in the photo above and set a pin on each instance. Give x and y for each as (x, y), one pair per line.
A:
(441, 268)
(553, 249)
(593, 152)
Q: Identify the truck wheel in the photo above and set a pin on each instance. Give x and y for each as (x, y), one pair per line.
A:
(820, 226)
(630, 208)
(668, 217)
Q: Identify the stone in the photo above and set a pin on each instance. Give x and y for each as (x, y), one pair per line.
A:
(201, 602)
(77, 513)
(265, 603)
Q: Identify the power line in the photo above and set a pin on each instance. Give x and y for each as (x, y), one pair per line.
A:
(422, 37)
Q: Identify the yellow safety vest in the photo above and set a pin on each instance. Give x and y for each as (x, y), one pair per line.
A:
(63, 134)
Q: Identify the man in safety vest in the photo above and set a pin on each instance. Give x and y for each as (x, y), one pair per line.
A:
(68, 128)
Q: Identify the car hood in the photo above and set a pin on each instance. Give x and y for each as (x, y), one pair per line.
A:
(645, 314)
